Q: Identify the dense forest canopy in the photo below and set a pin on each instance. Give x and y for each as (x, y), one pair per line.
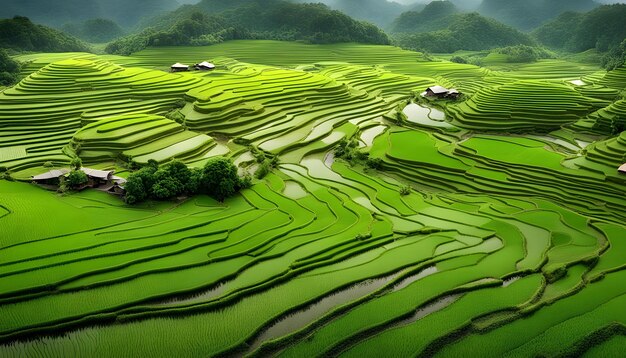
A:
(268, 19)
(603, 29)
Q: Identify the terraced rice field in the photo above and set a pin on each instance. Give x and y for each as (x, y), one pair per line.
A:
(510, 242)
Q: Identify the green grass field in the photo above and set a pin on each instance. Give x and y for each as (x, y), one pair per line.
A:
(510, 241)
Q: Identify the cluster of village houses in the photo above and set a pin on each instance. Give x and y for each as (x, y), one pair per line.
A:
(202, 66)
(101, 179)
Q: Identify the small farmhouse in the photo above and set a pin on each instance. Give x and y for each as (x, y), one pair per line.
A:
(622, 169)
(441, 92)
(179, 67)
(101, 179)
(98, 177)
(204, 66)
(52, 177)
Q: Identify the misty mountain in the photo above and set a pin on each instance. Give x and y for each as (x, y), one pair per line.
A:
(435, 16)
(378, 12)
(469, 31)
(528, 14)
(57, 13)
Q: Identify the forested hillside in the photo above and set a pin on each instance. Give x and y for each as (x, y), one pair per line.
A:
(257, 19)
(602, 29)
(435, 16)
(462, 32)
(20, 34)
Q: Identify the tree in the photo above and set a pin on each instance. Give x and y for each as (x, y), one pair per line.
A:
(76, 178)
(139, 184)
(76, 163)
(171, 180)
(219, 178)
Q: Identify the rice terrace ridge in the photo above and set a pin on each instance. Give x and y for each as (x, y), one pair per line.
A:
(274, 178)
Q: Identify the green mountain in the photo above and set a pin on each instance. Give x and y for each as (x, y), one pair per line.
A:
(528, 14)
(20, 34)
(435, 16)
(378, 12)
(464, 32)
(251, 19)
(602, 29)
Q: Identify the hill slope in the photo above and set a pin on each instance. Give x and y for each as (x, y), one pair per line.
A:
(434, 16)
(602, 28)
(20, 34)
(463, 32)
(526, 15)
(256, 19)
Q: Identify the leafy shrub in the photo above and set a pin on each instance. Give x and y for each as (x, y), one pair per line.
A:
(263, 169)
(405, 190)
(375, 163)
(459, 59)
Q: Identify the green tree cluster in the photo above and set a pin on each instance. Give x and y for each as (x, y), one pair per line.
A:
(218, 179)
(9, 69)
(523, 53)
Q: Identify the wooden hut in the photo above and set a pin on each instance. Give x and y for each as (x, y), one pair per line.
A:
(52, 177)
(98, 177)
(179, 67)
(204, 66)
(622, 169)
(453, 94)
(436, 91)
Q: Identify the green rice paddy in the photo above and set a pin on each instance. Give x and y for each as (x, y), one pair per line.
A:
(509, 243)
